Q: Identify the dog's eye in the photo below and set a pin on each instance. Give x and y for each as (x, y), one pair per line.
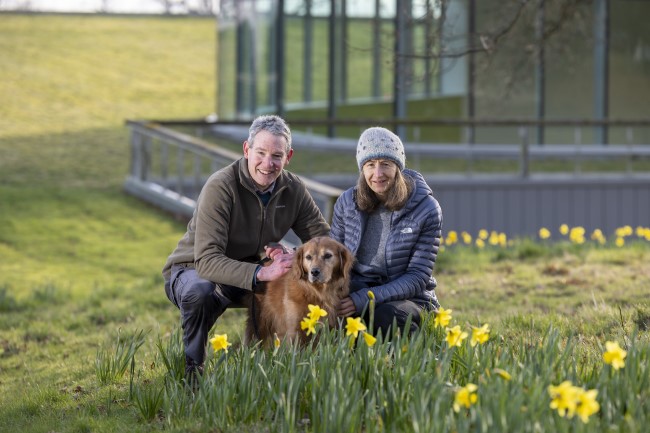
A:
(308, 257)
(327, 256)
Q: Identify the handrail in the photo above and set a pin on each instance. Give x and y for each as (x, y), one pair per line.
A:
(524, 152)
(440, 121)
(454, 150)
(152, 181)
(169, 167)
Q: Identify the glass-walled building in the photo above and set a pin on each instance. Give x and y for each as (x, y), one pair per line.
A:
(337, 59)
(423, 59)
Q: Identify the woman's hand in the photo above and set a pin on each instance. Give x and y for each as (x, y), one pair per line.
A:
(346, 308)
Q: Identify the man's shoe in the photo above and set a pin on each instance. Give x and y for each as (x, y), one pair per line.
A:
(192, 373)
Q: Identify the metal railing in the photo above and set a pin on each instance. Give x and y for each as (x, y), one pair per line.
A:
(168, 169)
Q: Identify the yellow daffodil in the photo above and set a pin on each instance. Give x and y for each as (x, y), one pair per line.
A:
(467, 238)
(371, 295)
(483, 234)
(354, 326)
(597, 235)
(480, 335)
(316, 312)
(220, 342)
(369, 339)
(276, 340)
(620, 242)
(480, 243)
(504, 374)
(570, 400)
(577, 235)
(614, 355)
(494, 238)
(452, 238)
(455, 336)
(443, 317)
(623, 231)
(564, 398)
(564, 229)
(587, 404)
(465, 396)
(544, 233)
(308, 324)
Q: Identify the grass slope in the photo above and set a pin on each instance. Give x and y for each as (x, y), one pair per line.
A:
(79, 258)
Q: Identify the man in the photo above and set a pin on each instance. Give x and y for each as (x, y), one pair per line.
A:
(241, 209)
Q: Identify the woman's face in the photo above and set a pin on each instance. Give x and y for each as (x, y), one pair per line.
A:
(380, 175)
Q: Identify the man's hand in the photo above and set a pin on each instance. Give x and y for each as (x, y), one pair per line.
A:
(280, 266)
(346, 308)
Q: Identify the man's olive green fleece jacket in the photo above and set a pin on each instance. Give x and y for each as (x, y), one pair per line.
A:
(231, 226)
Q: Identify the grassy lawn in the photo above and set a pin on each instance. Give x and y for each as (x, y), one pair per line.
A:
(81, 266)
(80, 258)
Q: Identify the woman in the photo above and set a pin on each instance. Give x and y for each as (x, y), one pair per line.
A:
(392, 223)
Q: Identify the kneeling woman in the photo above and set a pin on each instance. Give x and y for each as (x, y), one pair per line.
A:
(392, 223)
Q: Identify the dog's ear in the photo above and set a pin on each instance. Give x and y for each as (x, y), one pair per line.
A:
(346, 261)
(297, 270)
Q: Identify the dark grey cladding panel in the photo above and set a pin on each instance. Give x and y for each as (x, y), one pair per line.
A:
(521, 207)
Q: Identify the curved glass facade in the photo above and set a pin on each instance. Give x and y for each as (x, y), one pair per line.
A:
(419, 59)
(321, 56)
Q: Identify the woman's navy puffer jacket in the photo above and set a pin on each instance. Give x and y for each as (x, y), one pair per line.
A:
(411, 247)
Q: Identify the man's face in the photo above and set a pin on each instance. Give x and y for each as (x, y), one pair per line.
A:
(266, 158)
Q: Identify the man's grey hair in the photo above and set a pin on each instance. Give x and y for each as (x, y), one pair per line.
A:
(273, 124)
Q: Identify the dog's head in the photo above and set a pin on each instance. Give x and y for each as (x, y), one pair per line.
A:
(323, 260)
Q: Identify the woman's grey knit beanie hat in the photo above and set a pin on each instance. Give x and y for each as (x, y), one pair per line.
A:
(380, 143)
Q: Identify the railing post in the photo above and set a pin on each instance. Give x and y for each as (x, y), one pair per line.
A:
(470, 140)
(524, 160)
(180, 167)
(164, 162)
(629, 137)
(416, 139)
(197, 174)
(145, 161)
(577, 140)
(140, 160)
(135, 153)
(331, 201)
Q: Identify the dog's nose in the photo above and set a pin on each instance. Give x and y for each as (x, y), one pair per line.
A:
(315, 272)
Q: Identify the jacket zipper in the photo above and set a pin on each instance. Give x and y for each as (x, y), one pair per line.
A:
(273, 197)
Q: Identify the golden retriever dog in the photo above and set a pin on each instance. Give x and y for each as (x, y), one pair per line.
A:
(319, 275)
